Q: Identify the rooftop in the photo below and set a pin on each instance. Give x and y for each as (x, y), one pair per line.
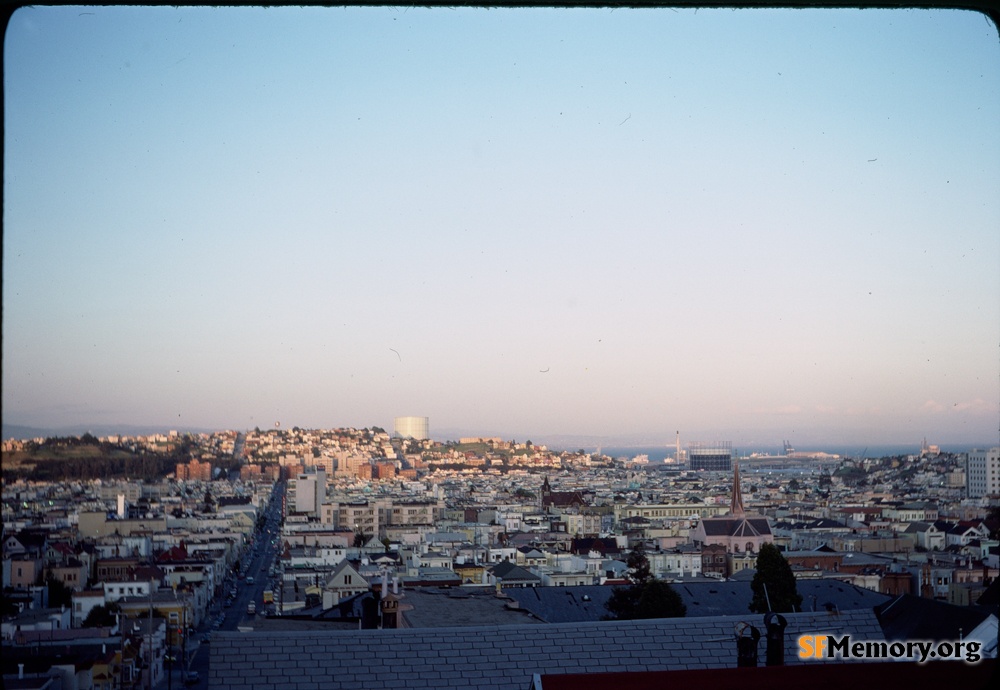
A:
(709, 598)
(499, 657)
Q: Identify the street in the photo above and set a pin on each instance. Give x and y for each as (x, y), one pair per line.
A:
(229, 613)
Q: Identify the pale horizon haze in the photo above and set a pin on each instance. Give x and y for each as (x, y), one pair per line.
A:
(746, 225)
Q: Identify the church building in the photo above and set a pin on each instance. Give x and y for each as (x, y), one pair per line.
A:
(737, 532)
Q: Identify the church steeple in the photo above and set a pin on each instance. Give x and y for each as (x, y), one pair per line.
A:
(736, 507)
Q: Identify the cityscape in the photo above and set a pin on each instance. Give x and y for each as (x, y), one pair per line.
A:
(500, 347)
(303, 535)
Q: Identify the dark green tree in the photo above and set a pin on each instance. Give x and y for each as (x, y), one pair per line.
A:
(773, 585)
(993, 522)
(102, 616)
(638, 565)
(59, 593)
(646, 597)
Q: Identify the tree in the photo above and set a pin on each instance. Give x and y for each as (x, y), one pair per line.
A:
(102, 616)
(647, 596)
(993, 522)
(59, 593)
(773, 584)
(638, 565)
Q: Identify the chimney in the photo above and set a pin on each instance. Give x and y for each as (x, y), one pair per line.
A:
(395, 585)
(775, 624)
(20, 671)
(747, 638)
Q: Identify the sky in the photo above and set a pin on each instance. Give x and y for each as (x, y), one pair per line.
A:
(747, 225)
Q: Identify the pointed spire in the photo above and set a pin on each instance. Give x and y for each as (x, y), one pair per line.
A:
(736, 507)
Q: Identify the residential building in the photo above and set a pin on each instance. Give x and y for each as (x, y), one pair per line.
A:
(982, 473)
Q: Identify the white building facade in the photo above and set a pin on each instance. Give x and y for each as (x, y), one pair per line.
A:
(982, 473)
(412, 427)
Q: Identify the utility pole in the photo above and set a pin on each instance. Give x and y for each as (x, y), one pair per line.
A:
(184, 628)
(149, 637)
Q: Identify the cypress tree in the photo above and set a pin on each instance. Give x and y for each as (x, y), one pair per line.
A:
(774, 572)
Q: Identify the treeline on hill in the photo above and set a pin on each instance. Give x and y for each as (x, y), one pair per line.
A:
(86, 457)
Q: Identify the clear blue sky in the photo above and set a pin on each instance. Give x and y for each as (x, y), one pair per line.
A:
(746, 225)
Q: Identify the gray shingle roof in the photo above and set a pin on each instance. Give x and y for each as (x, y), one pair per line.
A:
(497, 657)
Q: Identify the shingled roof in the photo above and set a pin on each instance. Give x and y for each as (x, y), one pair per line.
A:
(474, 658)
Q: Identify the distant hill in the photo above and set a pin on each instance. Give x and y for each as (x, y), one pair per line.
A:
(18, 431)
